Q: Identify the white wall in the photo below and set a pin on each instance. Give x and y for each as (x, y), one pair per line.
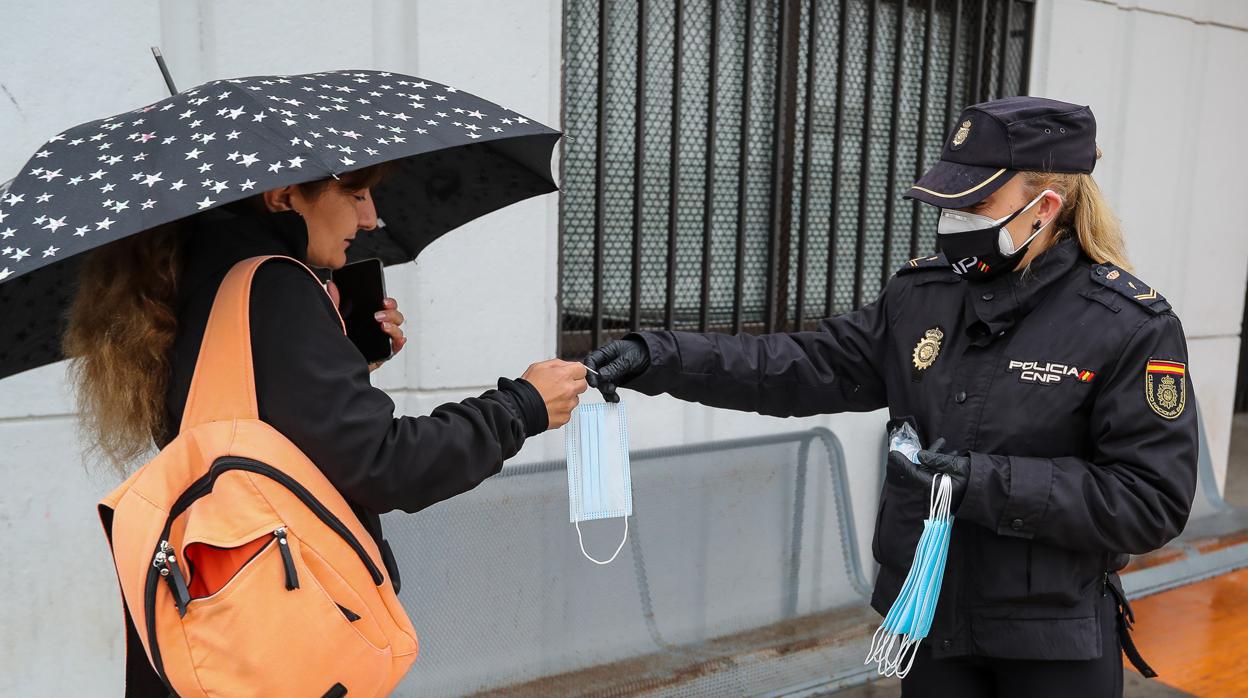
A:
(70, 61)
(1165, 78)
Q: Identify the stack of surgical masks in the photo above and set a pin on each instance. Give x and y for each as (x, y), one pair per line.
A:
(599, 479)
(896, 641)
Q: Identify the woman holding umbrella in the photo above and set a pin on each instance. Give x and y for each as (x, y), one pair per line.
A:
(146, 273)
(138, 319)
(1055, 378)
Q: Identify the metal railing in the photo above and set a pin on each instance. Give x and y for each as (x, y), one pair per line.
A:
(725, 157)
(726, 537)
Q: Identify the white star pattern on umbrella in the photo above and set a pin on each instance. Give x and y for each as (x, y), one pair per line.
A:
(311, 114)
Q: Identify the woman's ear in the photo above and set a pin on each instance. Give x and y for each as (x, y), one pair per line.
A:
(278, 199)
(1047, 208)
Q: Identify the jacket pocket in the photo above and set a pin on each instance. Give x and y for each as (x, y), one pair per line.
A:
(898, 526)
(880, 513)
(1000, 571)
(1060, 576)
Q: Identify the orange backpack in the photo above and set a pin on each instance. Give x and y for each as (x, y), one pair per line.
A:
(243, 570)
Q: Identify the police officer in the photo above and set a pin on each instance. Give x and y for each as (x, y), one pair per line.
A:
(1056, 379)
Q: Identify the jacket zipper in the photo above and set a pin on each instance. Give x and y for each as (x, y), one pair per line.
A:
(202, 487)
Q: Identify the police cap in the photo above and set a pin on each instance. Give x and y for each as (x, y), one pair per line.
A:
(994, 140)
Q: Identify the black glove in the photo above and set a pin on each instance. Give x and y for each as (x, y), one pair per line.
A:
(617, 363)
(904, 472)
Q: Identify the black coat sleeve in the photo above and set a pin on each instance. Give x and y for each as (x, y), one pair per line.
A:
(1135, 493)
(313, 386)
(837, 368)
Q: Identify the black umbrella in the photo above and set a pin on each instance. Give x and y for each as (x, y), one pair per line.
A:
(457, 157)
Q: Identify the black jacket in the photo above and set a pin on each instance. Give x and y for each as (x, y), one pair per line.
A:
(313, 386)
(1067, 386)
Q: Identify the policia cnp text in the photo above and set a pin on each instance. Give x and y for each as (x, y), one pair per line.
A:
(1056, 378)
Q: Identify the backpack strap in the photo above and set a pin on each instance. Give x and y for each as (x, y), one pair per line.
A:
(224, 384)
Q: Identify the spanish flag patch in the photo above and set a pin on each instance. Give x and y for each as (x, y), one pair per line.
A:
(1166, 367)
(1165, 387)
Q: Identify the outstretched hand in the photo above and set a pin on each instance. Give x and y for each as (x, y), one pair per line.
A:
(560, 383)
(616, 363)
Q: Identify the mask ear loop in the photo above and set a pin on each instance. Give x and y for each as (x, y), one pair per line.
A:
(1021, 211)
(609, 560)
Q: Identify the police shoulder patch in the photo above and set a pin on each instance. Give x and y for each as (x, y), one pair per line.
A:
(1165, 387)
(936, 261)
(1127, 285)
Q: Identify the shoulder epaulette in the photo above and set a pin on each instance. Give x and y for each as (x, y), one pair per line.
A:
(936, 261)
(1124, 283)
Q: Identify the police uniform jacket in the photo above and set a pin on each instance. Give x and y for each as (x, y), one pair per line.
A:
(1067, 386)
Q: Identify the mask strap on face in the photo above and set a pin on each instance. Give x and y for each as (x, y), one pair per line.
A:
(609, 560)
(1020, 212)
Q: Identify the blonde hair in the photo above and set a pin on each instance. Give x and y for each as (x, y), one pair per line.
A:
(1084, 212)
(119, 338)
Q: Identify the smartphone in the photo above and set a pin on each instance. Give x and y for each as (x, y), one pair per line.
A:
(362, 290)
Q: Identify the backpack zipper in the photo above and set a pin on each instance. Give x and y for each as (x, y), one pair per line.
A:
(288, 561)
(199, 489)
(167, 563)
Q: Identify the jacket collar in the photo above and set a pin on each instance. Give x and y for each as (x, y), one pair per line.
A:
(1001, 302)
(218, 239)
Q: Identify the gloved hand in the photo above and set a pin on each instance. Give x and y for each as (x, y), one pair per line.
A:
(904, 472)
(617, 363)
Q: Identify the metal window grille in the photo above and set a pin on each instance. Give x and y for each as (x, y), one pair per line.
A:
(737, 165)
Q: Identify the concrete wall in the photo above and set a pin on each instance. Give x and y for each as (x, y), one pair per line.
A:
(1163, 77)
(66, 62)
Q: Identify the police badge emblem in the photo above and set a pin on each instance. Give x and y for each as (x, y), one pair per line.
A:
(963, 131)
(1165, 387)
(928, 348)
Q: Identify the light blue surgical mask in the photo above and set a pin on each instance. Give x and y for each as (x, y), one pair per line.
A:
(896, 642)
(599, 479)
